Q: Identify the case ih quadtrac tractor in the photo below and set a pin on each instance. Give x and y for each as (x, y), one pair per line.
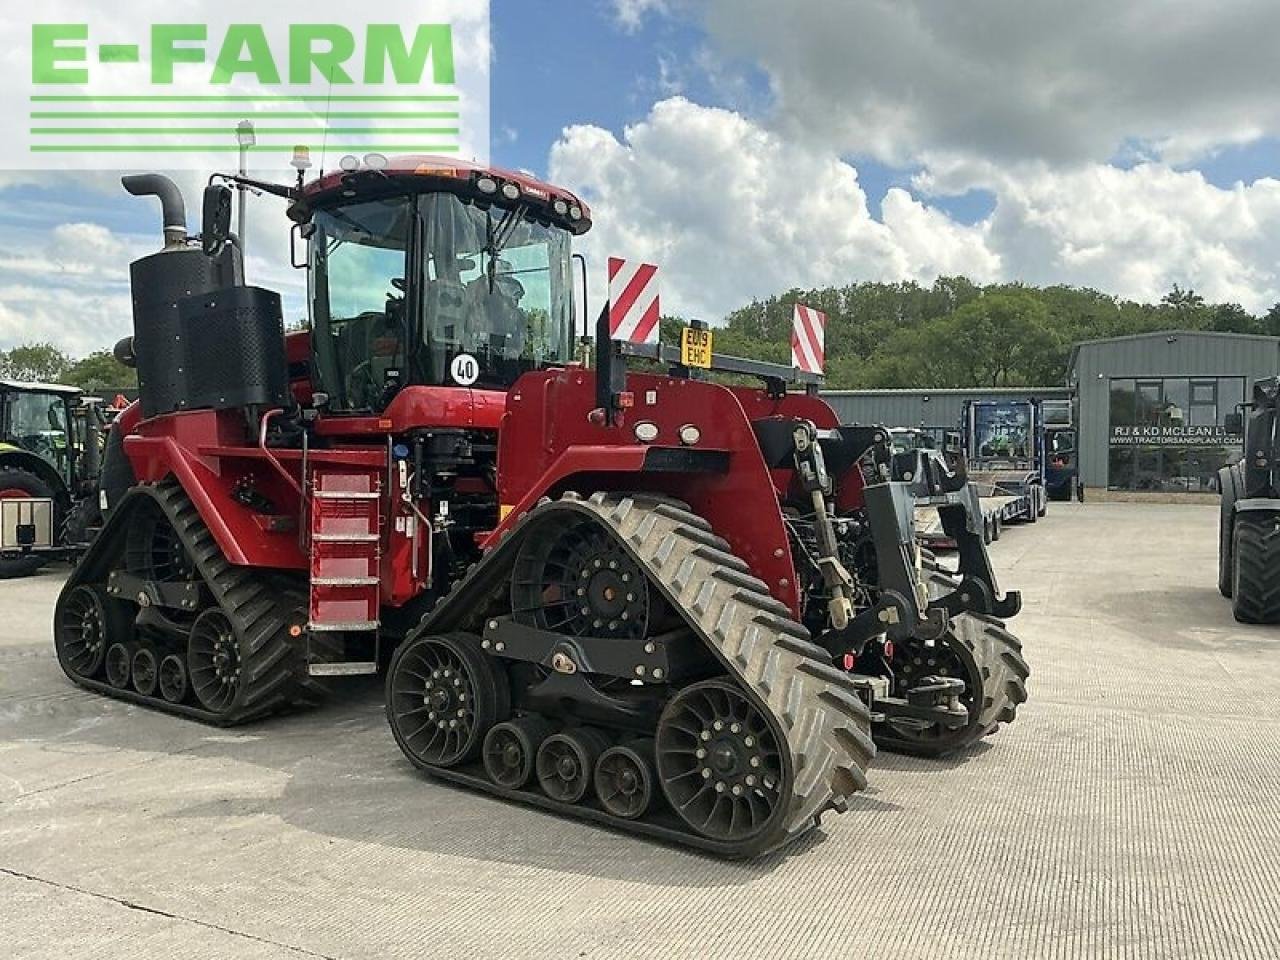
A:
(642, 598)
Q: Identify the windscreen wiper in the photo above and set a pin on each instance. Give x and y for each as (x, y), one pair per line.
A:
(498, 237)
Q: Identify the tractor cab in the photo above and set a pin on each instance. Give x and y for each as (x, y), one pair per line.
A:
(49, 423)
(50, 438)
(428, 273)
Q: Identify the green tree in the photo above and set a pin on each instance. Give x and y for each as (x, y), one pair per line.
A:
(42, 362)
(101, 371)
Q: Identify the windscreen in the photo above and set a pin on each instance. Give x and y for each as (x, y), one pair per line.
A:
(432, 289)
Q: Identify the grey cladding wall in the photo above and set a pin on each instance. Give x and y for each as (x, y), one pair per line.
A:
(1175, 353)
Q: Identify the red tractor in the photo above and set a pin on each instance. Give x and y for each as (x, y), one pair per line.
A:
(646, 599)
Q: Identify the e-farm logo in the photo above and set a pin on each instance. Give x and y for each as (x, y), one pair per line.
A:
(139, 91)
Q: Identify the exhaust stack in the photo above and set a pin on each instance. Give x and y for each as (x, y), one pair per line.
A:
(172, 207)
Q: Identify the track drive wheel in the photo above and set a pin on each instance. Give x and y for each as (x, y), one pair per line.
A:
(443, 696)
(581, 582)
(1255, 571)
(719, 762)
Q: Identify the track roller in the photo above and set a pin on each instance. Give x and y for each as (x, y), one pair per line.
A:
(510, 748)
(145, 669)
(566, 760)
(118, 663)
(173, 678)
(624, 779)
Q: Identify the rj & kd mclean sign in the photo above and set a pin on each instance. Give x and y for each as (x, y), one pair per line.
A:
(1209, 436)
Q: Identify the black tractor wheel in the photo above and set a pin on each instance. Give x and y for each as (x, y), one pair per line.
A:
(1230, 484)
(214, 660)
(82, 521)
(988, 658)
(443, 696)
(1044, 502)
(719, 762)
(1255, 556)
(997, 528)
(16, 483)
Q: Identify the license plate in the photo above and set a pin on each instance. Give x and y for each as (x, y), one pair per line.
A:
(695, 348)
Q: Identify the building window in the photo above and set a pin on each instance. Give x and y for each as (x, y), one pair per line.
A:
(1170, 433)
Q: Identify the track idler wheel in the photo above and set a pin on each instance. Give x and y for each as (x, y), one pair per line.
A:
(213, 656)
(118, 663)
(443, 697)
(173, 678)
(81, 633)
(145, 669)
(566, 760)
(719, 762)
(625, 779)
(510, 748)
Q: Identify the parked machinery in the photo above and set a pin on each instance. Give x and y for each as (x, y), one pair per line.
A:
(1249, 521)
(50, 452)
(646, 599)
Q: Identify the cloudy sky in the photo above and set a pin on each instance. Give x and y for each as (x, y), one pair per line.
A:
(748, 146)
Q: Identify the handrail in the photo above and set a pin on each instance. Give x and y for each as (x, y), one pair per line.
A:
(271, 457)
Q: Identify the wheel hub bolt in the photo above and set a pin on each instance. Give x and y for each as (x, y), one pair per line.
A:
(751, 779)
(755, 761)
(748, 741)
(700, 753)
(706, 773)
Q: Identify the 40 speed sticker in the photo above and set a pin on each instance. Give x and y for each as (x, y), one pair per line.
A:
(465, 369)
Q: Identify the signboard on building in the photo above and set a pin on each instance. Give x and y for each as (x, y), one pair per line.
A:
(1214, 435)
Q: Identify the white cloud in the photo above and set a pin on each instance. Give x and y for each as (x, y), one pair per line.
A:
(631, 14)
(732, 210)
(1012, 79)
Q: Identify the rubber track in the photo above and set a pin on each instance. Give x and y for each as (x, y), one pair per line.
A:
(274, 674)
(1256, 567)
(824, 723)
(998, 655)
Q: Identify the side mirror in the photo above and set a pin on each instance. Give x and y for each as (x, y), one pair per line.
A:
(216, 228)
(1234, 422)
(300, 231)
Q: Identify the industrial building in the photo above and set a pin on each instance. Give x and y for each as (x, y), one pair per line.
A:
(1152, 409)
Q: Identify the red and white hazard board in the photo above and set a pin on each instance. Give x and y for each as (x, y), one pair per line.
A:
(808, 339)
(633, 301)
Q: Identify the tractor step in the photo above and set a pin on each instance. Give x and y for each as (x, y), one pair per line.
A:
(347, 626)
(355, 668)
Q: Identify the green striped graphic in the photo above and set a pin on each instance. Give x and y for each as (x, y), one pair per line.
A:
(261, 131)
(223, 148)
(211, 98)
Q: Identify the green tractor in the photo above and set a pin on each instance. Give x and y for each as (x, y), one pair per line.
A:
(50, 457)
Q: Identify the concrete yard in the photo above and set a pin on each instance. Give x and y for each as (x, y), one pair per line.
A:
(1132, 811)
